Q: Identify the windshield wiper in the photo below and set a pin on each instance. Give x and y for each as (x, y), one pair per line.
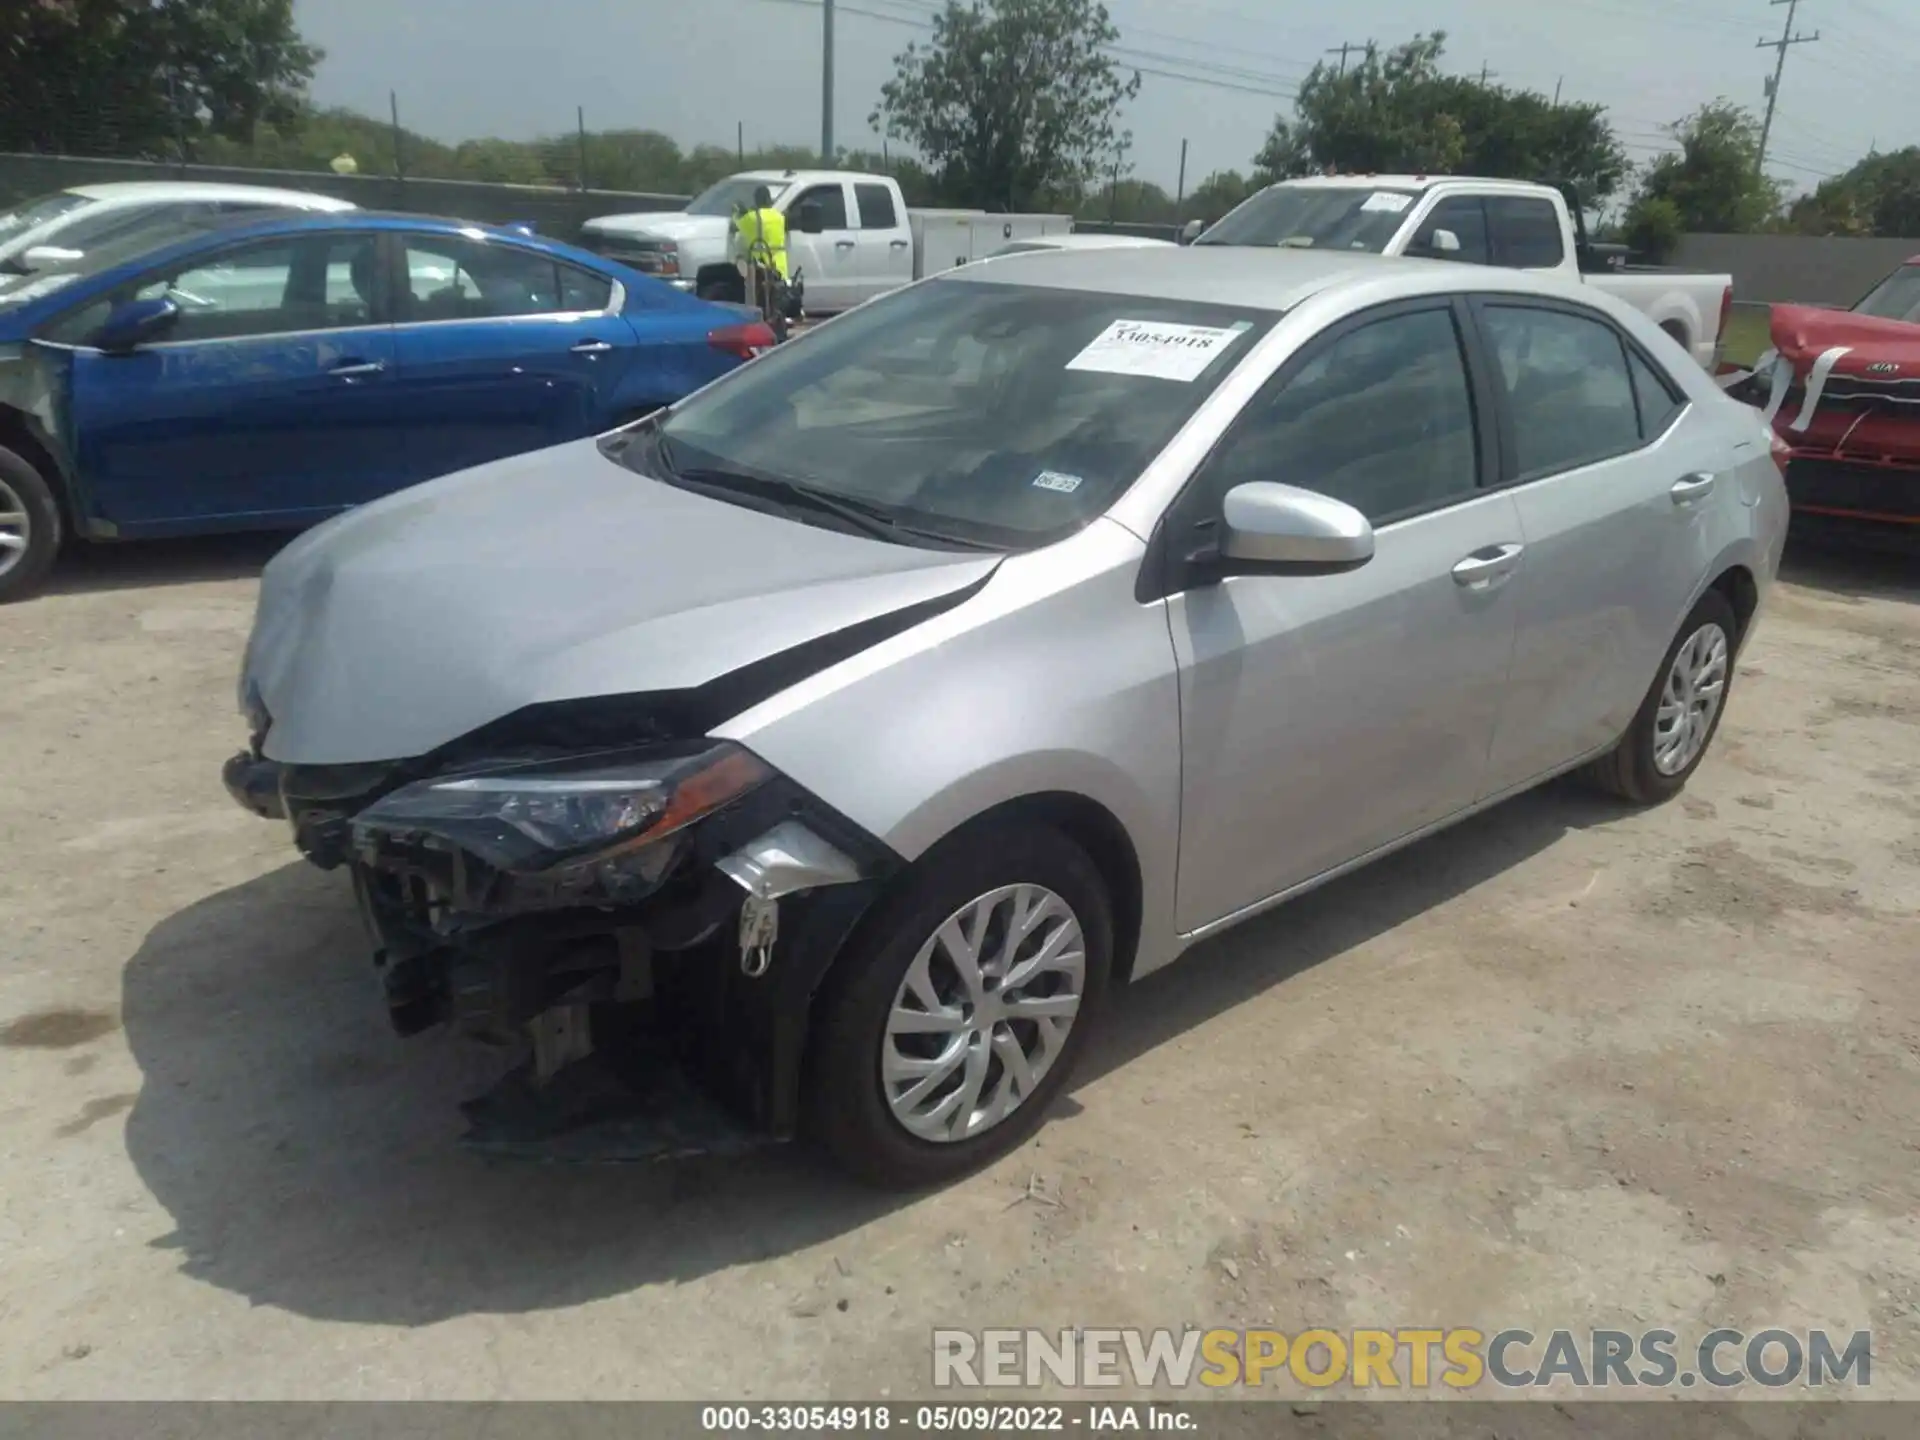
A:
(868, 517)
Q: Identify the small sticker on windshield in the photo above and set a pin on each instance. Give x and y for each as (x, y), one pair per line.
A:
(1156, 348)
(1387, 201)
(1054, 480)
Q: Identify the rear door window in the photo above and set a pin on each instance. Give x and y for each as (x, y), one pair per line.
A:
(1567, 387)
(1524, 232)
(876, 207)
(1660, 400)
(455, 278)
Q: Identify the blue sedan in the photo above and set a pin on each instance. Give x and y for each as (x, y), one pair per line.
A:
(270, 374)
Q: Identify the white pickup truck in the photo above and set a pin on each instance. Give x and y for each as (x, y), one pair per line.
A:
(850, 235)
(1483, 222)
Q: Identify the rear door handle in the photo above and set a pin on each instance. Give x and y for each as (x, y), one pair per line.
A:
(1689, 488)
(898, 244)
(1488, 566)
(357, 369)
(592, 347)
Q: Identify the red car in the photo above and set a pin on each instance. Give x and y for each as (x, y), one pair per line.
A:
(1842, 389)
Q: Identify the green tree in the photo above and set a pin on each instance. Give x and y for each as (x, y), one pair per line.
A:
(1396, 111)
(1713, 180)
(1014, 103)
(1653, 228)
(147, 77)
(1880, 195)
(1219, 193)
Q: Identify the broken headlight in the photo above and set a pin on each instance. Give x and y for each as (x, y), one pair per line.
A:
(549, 815)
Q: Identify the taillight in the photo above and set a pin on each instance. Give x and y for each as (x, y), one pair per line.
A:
(747, 341)
(1726, 308)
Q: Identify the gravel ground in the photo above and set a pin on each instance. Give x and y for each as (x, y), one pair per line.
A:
(1567, 1065)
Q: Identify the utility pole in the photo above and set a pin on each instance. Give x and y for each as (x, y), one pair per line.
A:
(1556, 91)
(1180, 193)
(1787, 37)
(1486, 74)
(1341, 50)
(826, 83)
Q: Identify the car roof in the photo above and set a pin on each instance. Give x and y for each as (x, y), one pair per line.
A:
(135, 190)
(1256, 277)
(1413, 182)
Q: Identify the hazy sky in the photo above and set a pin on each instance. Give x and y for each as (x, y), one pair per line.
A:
(693, 68)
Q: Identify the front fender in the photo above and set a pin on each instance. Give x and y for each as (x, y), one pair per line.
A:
(1053, 679)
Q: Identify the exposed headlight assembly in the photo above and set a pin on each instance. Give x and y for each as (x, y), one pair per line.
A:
(550, 816)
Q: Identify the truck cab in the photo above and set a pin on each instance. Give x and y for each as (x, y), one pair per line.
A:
(1478, 221)
(847, 233)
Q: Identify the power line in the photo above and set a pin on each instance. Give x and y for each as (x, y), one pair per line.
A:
(1780, 46)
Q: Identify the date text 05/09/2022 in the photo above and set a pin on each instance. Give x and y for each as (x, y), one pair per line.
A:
(982, 1419)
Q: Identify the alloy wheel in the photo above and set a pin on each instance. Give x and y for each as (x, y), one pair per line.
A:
(983, 1013)
(16, 527)
(1690, 700)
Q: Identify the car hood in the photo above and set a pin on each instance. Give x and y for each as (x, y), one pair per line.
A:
(411, 622)
(1803, 333)
(661, 225)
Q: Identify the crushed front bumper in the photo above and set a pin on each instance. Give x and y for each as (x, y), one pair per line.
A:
(705, 1049)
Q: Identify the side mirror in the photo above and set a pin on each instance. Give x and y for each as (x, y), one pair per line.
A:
(42, 257)
(809, 219)
(1191, 231)
(1267, 528)
(135, 323)
(1443, 242)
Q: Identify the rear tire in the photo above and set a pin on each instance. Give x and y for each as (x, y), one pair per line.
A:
(1654, 760)
(857, 1102)
(30, 529)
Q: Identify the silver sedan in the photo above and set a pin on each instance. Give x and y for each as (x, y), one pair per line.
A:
(842, 736)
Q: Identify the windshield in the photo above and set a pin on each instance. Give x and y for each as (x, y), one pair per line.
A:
(1895, 298)
(731, 195)
(1003, 415)
(1320, 217)
(38, 212)
(154, 233)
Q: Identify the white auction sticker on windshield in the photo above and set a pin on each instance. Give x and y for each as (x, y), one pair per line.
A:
(1054, 480)
(1386, 200)
(1156, 348)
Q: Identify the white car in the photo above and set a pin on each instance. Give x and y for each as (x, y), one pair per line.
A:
(60, 228)
(1079, 240)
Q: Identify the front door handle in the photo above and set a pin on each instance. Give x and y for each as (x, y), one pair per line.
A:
(1488, 566)
(357, 369)
(592, 347)
(1689, 488)
(843, 244)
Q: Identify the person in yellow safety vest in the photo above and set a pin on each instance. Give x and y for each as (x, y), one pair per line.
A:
(764, 226)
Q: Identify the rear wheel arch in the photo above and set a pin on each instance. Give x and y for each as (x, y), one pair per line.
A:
(1736, 582)
(1678, 330)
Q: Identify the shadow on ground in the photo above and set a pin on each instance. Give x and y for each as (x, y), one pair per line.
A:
(1823, 562)
(307, 1156)
(87, 569)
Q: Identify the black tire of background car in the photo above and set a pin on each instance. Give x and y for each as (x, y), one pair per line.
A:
(43, 527)
(1628, 769)
(846, 1108)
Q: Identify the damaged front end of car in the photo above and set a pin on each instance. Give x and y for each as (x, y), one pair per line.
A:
(637, 926)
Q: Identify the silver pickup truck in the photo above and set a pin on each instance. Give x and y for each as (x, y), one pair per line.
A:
(1508, 223)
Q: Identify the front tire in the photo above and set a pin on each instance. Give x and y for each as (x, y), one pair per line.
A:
(960, 1008)
(29, 527)
(1681, 714)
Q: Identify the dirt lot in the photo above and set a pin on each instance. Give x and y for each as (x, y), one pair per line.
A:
(1567, 1065)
